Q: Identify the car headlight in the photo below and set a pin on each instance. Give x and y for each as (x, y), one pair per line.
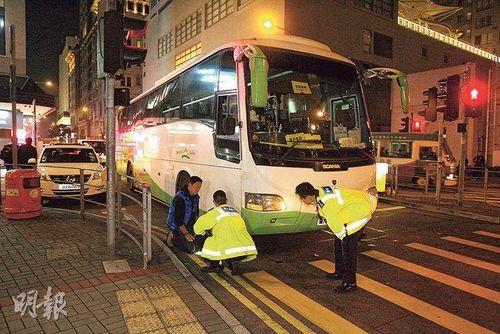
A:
(44, 176)
(264, 202)
(97, 175)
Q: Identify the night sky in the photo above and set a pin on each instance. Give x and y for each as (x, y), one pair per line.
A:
(48, 22)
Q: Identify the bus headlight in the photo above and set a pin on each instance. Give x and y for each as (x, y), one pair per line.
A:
(264, 202)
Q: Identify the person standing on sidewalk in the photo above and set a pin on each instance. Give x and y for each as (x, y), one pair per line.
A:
(182, 214)
(228, 239)
(346, 212)
(26, 152)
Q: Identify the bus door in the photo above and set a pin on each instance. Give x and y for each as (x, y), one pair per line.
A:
(227, 133)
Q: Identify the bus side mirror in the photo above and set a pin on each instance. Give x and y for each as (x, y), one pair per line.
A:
(405, 92)
(259, 69)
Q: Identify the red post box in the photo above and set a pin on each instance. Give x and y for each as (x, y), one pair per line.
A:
(22, 194)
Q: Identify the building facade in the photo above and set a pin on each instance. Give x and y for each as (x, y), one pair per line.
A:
(67, 78)
(12, 12)
(91, 108)
(478, 22)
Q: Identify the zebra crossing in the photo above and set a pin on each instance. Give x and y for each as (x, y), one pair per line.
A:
(286, 308)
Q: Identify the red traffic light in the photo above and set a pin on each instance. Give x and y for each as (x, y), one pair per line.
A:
(474, 100)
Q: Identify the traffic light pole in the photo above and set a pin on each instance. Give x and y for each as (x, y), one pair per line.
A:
(13, 93)
(463, 157)
(439, 169)
(110, 157)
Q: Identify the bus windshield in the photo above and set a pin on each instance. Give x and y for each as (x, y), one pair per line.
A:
(315, 110)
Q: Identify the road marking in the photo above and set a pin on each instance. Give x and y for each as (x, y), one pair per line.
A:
(473, 244)
(488, 234)
(327, 232)
(249, 304)
(273, 306)
(308, 308)
(244, 300)
(391, 208)
(456, 257)
(374, 229)
(430, 312)
(449, 280)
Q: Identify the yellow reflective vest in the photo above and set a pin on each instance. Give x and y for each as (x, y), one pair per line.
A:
(230, 237)
(346, 210)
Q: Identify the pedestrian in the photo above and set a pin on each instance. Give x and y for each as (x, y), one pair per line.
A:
(228, 239)
(6, 156)
(26, 152)
(346, 212)
(183, 213)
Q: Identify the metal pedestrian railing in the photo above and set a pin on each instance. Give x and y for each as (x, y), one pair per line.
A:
(481, 184)
(78, 185)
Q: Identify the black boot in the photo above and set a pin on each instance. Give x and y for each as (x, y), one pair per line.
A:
(213, 267)
(335, 276)
(346, 287)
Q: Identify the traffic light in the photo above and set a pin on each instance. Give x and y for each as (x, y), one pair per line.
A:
(430, 111)
(405, 123)
(474, 101)
(417, 126)
(113, 53)
(452, 98)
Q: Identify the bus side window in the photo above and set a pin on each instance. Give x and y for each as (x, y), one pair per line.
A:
(170, 104)
(227, 137)
(198, 91)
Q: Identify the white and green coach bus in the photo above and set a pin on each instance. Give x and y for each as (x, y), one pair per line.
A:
(254, 118)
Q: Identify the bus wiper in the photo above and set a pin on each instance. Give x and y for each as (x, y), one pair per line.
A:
(295, 143)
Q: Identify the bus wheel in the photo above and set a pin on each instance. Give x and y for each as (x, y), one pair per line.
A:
(130, 174)
(182, 179)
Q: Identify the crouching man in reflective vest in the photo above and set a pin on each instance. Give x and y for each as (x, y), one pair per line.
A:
(228, 237)
(346, 211)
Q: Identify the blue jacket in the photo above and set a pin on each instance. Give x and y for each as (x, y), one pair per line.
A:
(191, 204)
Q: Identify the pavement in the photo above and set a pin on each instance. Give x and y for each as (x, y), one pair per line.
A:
(418, 272)
(61, 254)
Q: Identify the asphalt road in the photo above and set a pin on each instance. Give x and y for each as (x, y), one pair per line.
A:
(414, 276)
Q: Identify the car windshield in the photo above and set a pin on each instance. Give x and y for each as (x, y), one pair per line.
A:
(315, 109)
(68, 155)
(98, 146)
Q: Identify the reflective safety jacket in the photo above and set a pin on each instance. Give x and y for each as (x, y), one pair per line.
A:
(346, 210)
(229, 238)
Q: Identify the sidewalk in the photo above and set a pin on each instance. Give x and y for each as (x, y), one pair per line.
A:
(60, 255)
(473, 209)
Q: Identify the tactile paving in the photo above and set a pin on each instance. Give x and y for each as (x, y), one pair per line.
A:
(144, 324)
(134, 309)
(192, 328)
(168, 303)
(176, 317)
(160, 291)
(131, 295)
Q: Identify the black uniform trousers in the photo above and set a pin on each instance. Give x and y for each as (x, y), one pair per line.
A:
(346, 256)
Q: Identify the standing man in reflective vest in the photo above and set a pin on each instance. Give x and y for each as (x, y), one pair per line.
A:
(346, 211)
(228, 237)
(183, 213)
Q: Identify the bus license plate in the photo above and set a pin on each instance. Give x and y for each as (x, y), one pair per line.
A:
(69, 187)
(321, 221)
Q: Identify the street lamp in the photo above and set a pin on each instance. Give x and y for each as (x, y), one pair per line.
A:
(268, 25)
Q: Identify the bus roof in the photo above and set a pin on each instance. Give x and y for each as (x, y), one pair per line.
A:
(287, 42)
(405, 136)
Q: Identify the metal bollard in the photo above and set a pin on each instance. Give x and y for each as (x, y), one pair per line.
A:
(144, 225)
(485, 184)
(426, 180)
(396, 180)
(82, 193)
(150, 255)
(119, 204)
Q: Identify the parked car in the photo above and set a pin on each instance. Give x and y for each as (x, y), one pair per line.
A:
(99, 146)
(60, 166)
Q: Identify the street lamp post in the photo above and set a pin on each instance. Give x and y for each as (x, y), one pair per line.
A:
(34, 120)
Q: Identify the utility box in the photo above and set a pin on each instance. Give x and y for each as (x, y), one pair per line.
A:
(23, 198)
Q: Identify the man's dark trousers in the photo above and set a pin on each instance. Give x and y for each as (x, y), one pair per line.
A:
(346, 256)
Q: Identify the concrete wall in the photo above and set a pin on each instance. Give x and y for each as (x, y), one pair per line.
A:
(15, 13)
